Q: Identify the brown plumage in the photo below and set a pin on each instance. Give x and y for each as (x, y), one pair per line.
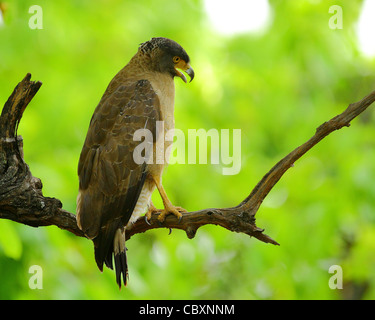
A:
(113, 189)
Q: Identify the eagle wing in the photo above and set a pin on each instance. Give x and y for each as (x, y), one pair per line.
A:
(110, 181)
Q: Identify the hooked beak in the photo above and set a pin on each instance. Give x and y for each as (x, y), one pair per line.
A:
(186, 68)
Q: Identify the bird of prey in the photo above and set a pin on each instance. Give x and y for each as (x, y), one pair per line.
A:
(114, 189)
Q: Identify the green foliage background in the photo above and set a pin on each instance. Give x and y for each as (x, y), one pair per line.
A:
(277, 87)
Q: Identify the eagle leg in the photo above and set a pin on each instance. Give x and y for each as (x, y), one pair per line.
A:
(169, 208)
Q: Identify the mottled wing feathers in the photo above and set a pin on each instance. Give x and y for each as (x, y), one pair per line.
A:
(109, 179)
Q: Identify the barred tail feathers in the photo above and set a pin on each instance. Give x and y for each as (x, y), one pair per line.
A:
(121, 263)
(111, 242)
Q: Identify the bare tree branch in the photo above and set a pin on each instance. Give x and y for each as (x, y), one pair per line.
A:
(21, 198)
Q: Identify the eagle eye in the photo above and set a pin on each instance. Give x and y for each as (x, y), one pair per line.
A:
(176, 59)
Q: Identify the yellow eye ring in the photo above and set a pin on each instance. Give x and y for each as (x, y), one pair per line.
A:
(176, 59)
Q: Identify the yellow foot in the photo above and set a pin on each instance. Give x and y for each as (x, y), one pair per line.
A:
(171, 209)
(151, 210)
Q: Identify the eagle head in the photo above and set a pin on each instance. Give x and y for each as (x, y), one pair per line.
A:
(167, 56)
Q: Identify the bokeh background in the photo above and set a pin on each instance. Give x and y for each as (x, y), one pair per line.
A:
(275, 70)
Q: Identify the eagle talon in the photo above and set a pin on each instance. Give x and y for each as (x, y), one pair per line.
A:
(151, 210)
(147, 221)
(161, 217)
(171, 210)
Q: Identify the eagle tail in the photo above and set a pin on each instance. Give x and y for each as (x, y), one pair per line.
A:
(121, 263)
(111, 242)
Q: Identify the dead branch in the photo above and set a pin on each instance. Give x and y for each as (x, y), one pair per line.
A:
(21, 198)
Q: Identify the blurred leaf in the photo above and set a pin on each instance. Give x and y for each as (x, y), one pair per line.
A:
(9, 240)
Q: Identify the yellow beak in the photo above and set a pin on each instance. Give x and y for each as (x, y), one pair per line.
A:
(186, 68)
